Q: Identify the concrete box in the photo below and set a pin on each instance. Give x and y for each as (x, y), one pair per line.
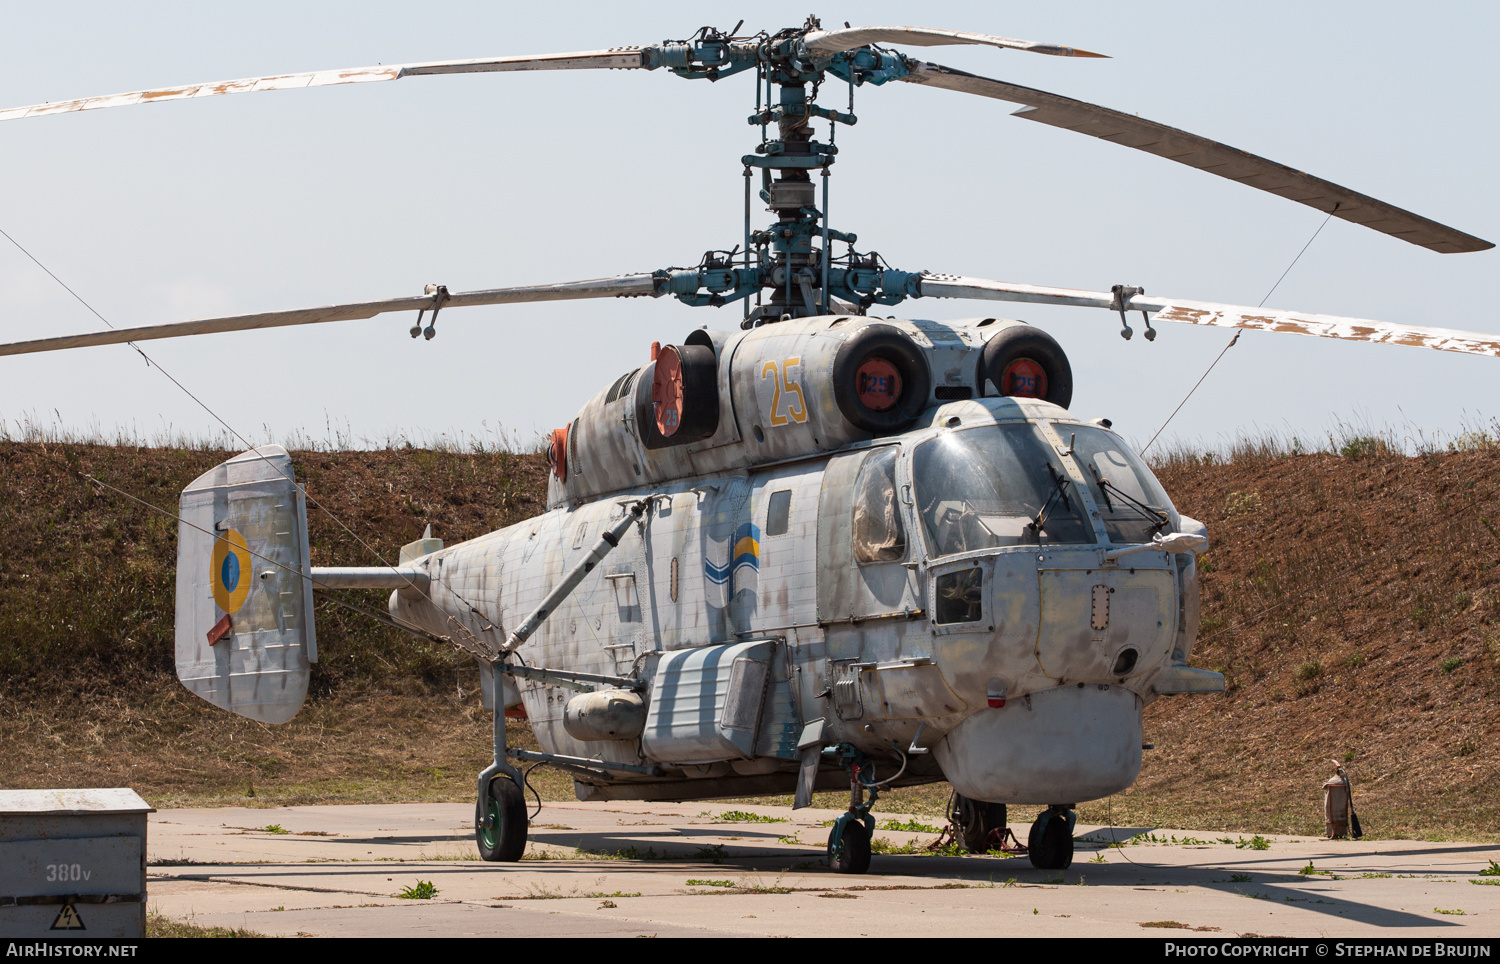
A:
(73, 863)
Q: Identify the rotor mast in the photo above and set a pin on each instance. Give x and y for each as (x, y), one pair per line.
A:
(794, 249)
(787, 266)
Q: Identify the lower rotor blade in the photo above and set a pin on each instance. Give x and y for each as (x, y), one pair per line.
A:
(826, 43)
(621, 58)
(1224, 316)
(1206, 155)
(625, 286)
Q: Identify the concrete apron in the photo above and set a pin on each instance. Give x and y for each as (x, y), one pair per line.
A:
(674, 870)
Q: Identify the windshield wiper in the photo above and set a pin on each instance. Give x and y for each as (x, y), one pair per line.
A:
(1058, 483)
(1158, 517)
(1100, 483)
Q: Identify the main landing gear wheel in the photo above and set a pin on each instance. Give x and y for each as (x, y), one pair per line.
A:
(976, 821)
(505, 838)
(1050, 843)
(850, 853)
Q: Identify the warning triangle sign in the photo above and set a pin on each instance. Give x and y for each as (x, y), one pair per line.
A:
(68, 920)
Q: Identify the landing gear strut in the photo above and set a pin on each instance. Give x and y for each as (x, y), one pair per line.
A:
(1050, 843)
(500, 821)
(849, 840)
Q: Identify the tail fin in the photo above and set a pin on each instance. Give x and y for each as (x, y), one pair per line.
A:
(245, 634)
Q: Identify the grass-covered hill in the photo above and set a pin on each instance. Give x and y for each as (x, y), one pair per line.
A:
(1352, 599)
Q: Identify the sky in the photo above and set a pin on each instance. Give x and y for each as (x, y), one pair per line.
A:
(294, 198)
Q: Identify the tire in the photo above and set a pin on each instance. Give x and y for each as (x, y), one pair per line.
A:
(1050, 844)
(1023, 342)
(854, 856)
(976, 820)
(504, 840)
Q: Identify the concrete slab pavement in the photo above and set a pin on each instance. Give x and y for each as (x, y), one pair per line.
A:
(623, 869)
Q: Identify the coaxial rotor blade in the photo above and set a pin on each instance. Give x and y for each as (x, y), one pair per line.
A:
(1204, 154)
(625, 286)
(1224, 316)
(619, 58)
(826, 43)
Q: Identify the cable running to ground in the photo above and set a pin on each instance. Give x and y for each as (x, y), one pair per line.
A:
(1233, 341)
(479, 646)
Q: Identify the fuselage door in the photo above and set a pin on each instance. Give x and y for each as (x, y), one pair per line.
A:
(863, 540)
(704, 559)
(784, 515)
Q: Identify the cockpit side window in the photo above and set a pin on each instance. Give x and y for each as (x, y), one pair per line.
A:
(1132, 504)
(1000, 485)
(878, 533)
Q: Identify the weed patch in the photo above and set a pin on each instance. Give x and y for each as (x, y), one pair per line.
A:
(629, 853)
(1311, 871)
(741, 816)
(158, 925)
(714, 853)
(910, 826)
(421, 890)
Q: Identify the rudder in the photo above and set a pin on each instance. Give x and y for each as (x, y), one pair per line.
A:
(245, 631)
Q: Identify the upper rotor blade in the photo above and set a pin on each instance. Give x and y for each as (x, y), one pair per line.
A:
(826, 43)
(1224, 316)
(625, 286)
(619, 58)
(1206, 155)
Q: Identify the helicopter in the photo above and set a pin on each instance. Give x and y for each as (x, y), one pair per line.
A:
(826, 550)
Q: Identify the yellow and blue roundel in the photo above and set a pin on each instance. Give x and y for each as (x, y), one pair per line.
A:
(745, 559)
(230, 575)
(740, 571)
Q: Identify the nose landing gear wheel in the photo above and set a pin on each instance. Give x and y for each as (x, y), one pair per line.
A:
(1050, 843)
(976, 821)
(505, 838)
(849, 851)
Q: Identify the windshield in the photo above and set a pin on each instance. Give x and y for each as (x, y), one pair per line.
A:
(1000, 485)
(1131, 502)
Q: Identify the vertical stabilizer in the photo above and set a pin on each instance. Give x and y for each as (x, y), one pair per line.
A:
(245, 634)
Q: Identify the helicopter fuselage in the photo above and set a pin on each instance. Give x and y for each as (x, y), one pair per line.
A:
(957, 586)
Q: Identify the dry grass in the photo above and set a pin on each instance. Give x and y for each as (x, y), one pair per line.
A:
(88, 695)
(159, 926)
(1353, 602)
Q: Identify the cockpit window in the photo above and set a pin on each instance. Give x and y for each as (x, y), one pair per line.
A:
(878, 533)
(1131, 502)
(1000, 485)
